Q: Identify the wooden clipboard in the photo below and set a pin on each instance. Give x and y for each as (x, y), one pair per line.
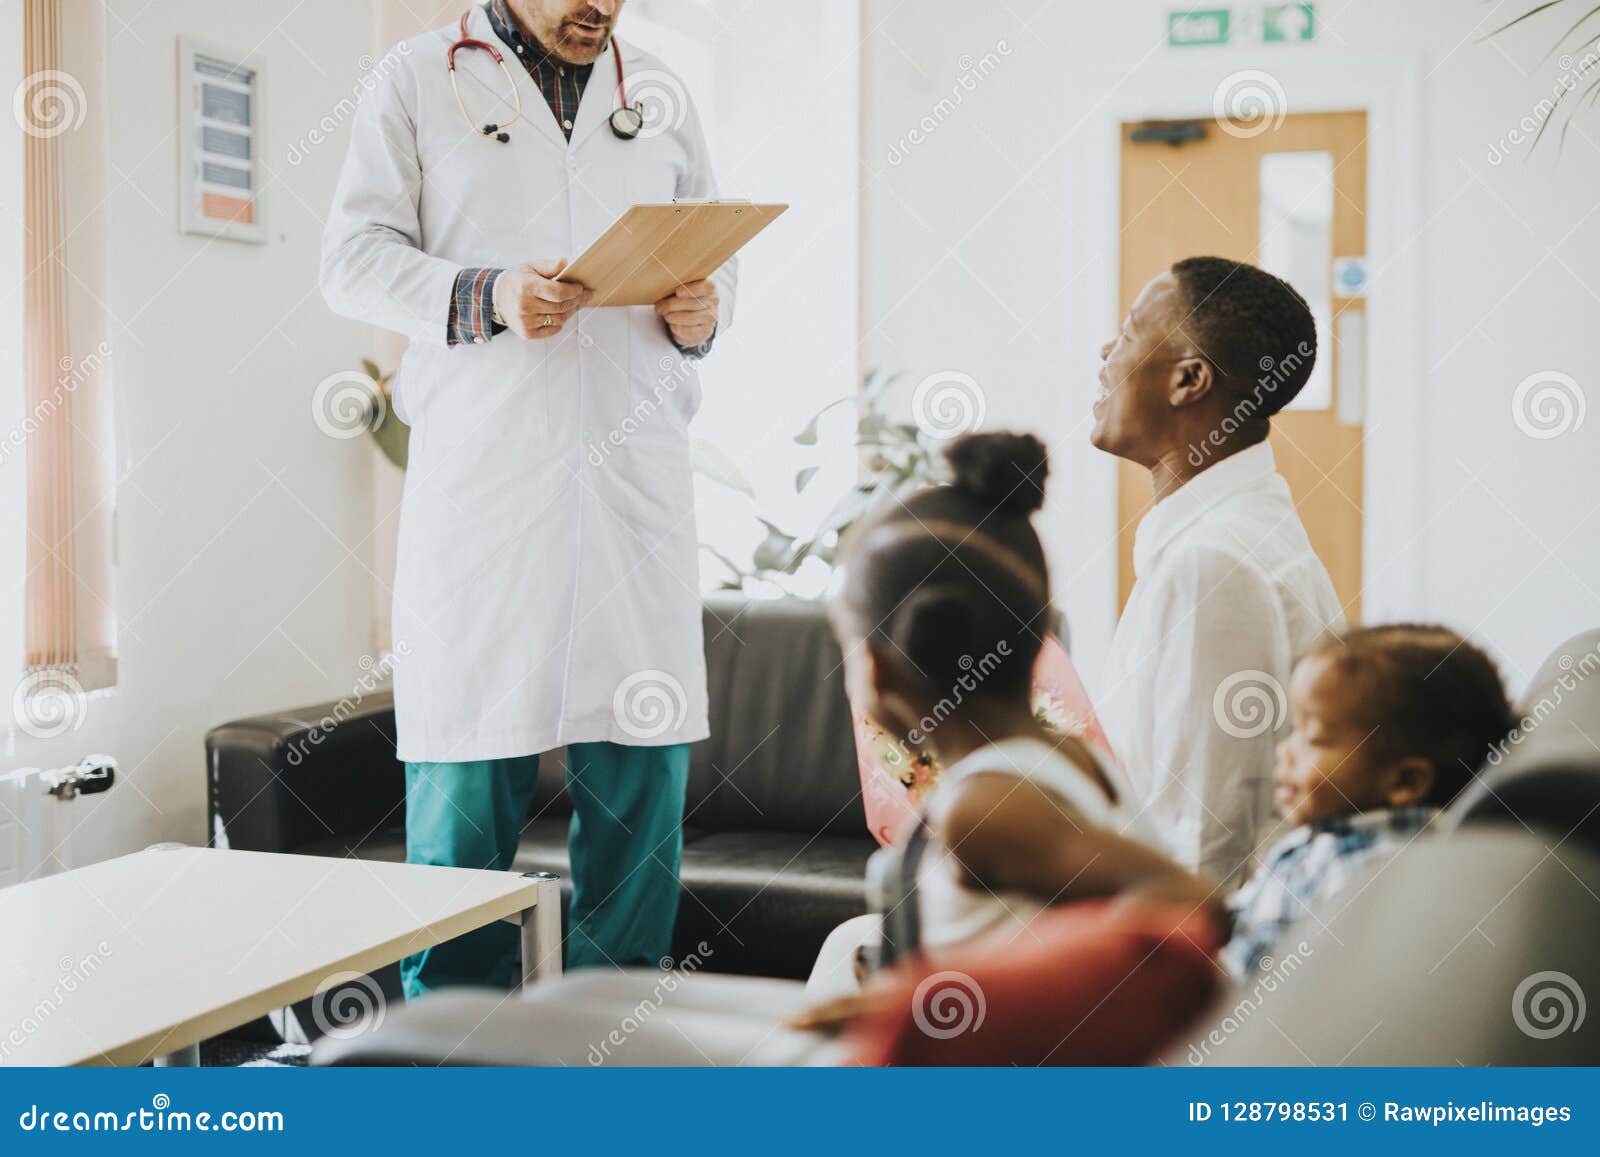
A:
(652, 249)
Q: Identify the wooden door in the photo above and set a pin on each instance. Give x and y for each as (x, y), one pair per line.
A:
(1205, 197)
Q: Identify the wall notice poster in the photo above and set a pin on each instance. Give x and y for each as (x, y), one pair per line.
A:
(219, 151)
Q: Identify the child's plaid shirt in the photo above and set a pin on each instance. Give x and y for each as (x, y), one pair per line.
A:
(1310, 864)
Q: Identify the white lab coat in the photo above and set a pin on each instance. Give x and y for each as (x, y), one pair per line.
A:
(546, 587)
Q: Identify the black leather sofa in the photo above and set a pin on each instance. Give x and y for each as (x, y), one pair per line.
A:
(775, 837)
(1478, 944)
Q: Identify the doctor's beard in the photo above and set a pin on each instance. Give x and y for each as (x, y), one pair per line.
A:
(573, 33)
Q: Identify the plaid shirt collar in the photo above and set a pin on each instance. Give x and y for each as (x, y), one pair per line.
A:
(1362, 826)
(562, 84)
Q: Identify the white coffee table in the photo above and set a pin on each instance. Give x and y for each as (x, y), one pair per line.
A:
(142, 957)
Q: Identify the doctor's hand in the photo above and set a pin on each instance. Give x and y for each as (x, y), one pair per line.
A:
(690, 312)
(532, 304)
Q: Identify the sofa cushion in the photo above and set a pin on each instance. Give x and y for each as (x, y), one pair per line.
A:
(763, 902)
(782, 754)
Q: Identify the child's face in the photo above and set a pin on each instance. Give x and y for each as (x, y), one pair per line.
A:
(1329, 765)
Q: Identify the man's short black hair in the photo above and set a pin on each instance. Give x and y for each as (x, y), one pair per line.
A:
(1253, 327)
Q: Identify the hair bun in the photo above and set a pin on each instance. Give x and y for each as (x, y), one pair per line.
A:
(1002, 470)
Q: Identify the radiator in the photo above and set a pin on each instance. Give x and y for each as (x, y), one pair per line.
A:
(36, 809)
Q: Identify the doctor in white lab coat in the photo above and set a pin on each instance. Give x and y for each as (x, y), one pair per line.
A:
(546, 587)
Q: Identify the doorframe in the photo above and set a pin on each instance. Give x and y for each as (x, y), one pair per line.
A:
(1388, 87)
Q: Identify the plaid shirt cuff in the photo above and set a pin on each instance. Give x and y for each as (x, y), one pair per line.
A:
(694, 351)
(472, 308)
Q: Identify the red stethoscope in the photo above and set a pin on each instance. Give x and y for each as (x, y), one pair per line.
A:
(626, 121)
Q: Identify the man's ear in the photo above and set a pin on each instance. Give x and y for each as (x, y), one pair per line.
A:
(1192, 380)
(1409, 781)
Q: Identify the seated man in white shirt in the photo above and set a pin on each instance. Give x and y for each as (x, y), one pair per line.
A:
(1228, 592)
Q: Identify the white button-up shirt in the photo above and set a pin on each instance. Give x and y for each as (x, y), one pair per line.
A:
(1229, 594)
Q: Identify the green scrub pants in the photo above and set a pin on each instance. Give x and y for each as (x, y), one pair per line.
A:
(625, 840)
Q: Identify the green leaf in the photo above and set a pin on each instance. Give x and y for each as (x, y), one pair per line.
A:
(370, 368)
(771, 551)
(876, 384)
(710, 462)
(808, 436)
(852, 506)
(1524, 16)
(803, 479)
(1556, 47)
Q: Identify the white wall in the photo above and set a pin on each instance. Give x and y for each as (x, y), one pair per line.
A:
(242, 582)
(991, 249)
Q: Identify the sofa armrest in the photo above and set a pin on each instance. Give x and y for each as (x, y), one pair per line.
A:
(637, 1017)
(276, 782)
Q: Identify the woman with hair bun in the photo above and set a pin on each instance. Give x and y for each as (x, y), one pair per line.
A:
(942, 610)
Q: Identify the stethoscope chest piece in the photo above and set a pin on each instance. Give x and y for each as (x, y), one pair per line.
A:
(627, 121)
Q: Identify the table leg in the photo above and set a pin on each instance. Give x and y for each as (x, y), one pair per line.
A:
(541, 931)
(188, 1057)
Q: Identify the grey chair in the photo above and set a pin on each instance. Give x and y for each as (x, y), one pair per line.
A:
(1476, 945)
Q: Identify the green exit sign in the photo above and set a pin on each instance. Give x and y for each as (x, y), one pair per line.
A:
(1197, 26)
(1242, 24)
(1283, 23)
